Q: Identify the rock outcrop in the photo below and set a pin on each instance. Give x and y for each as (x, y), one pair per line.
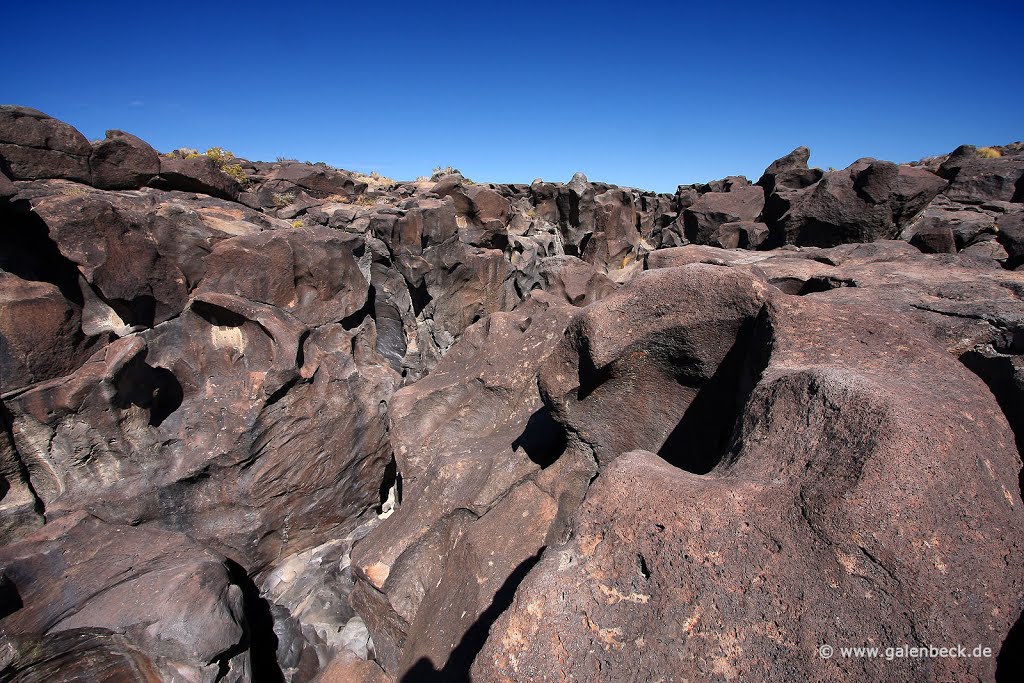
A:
(284, 422)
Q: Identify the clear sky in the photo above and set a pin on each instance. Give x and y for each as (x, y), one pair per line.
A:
(646, 94)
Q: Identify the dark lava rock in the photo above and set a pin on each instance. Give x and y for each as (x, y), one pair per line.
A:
(122, 162)
(975, 178)
(34, 145)
(868, 201)
(198, 174)
(435, 429)
(815, 490)
(715, 209)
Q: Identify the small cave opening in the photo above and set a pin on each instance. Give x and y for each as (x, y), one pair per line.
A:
(140, 311)
(420, 298)
(154, 389)
(823, 283)
(543, 439)
(389, 493)
(641, 566)
(10, 598)
(217, 315)
(32, 255)
(368, 310)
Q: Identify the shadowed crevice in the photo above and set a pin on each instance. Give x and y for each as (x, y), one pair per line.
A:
(824, 283)
(218, 316)
(456, 669)
(702, 437)
(259, 637)
(1010, 660)
(368, 310)
(1007, 385)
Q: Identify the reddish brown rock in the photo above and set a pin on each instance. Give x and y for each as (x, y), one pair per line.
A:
(348, 668)
(715, 209)
(478, 458)
(34, 145)
(40, 332)
(76, 655)
(975, 178)
(741, 235)
(617, 350)
(166, 595)
(815, 509)
(870, 200)
(122, 161)
(199, 174)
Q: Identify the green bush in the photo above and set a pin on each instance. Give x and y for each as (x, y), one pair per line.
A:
(236, 172)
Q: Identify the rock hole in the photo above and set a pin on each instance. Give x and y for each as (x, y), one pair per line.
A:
(354, 320)
(583, 245)
(10, 598)
(641, 565)
(543, 440)
(217, 316)
(153, 389)
(138, 311)
(823, 283)
(700, 440)
(390, 492)
(167, 396)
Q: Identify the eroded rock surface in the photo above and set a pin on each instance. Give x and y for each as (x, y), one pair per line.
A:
(284, 422)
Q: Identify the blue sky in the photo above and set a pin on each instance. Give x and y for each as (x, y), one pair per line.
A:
(643, 94)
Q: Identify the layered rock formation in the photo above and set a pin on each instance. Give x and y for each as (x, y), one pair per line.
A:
(282, 422)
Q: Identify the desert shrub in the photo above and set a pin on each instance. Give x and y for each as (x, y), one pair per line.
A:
(296, 224)
(236, 172)
(182, 153)
(989, 153)
(283, 199)
(443, 171)
(220, 155)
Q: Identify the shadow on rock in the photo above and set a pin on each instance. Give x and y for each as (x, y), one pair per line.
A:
(461, 659)
(543, 440)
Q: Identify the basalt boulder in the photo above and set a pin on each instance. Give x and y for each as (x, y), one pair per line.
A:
(122, 161)
(158, 590)
(715, 209)
(200, 174)
(34, 145)
(870, 200)
(504, 476)
(975, 178)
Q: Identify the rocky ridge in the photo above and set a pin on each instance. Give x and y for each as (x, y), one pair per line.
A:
(284, 422)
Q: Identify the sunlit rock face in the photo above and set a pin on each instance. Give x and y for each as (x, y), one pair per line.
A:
(284, 422)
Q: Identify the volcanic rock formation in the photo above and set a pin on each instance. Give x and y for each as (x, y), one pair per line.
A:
(284, 422)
